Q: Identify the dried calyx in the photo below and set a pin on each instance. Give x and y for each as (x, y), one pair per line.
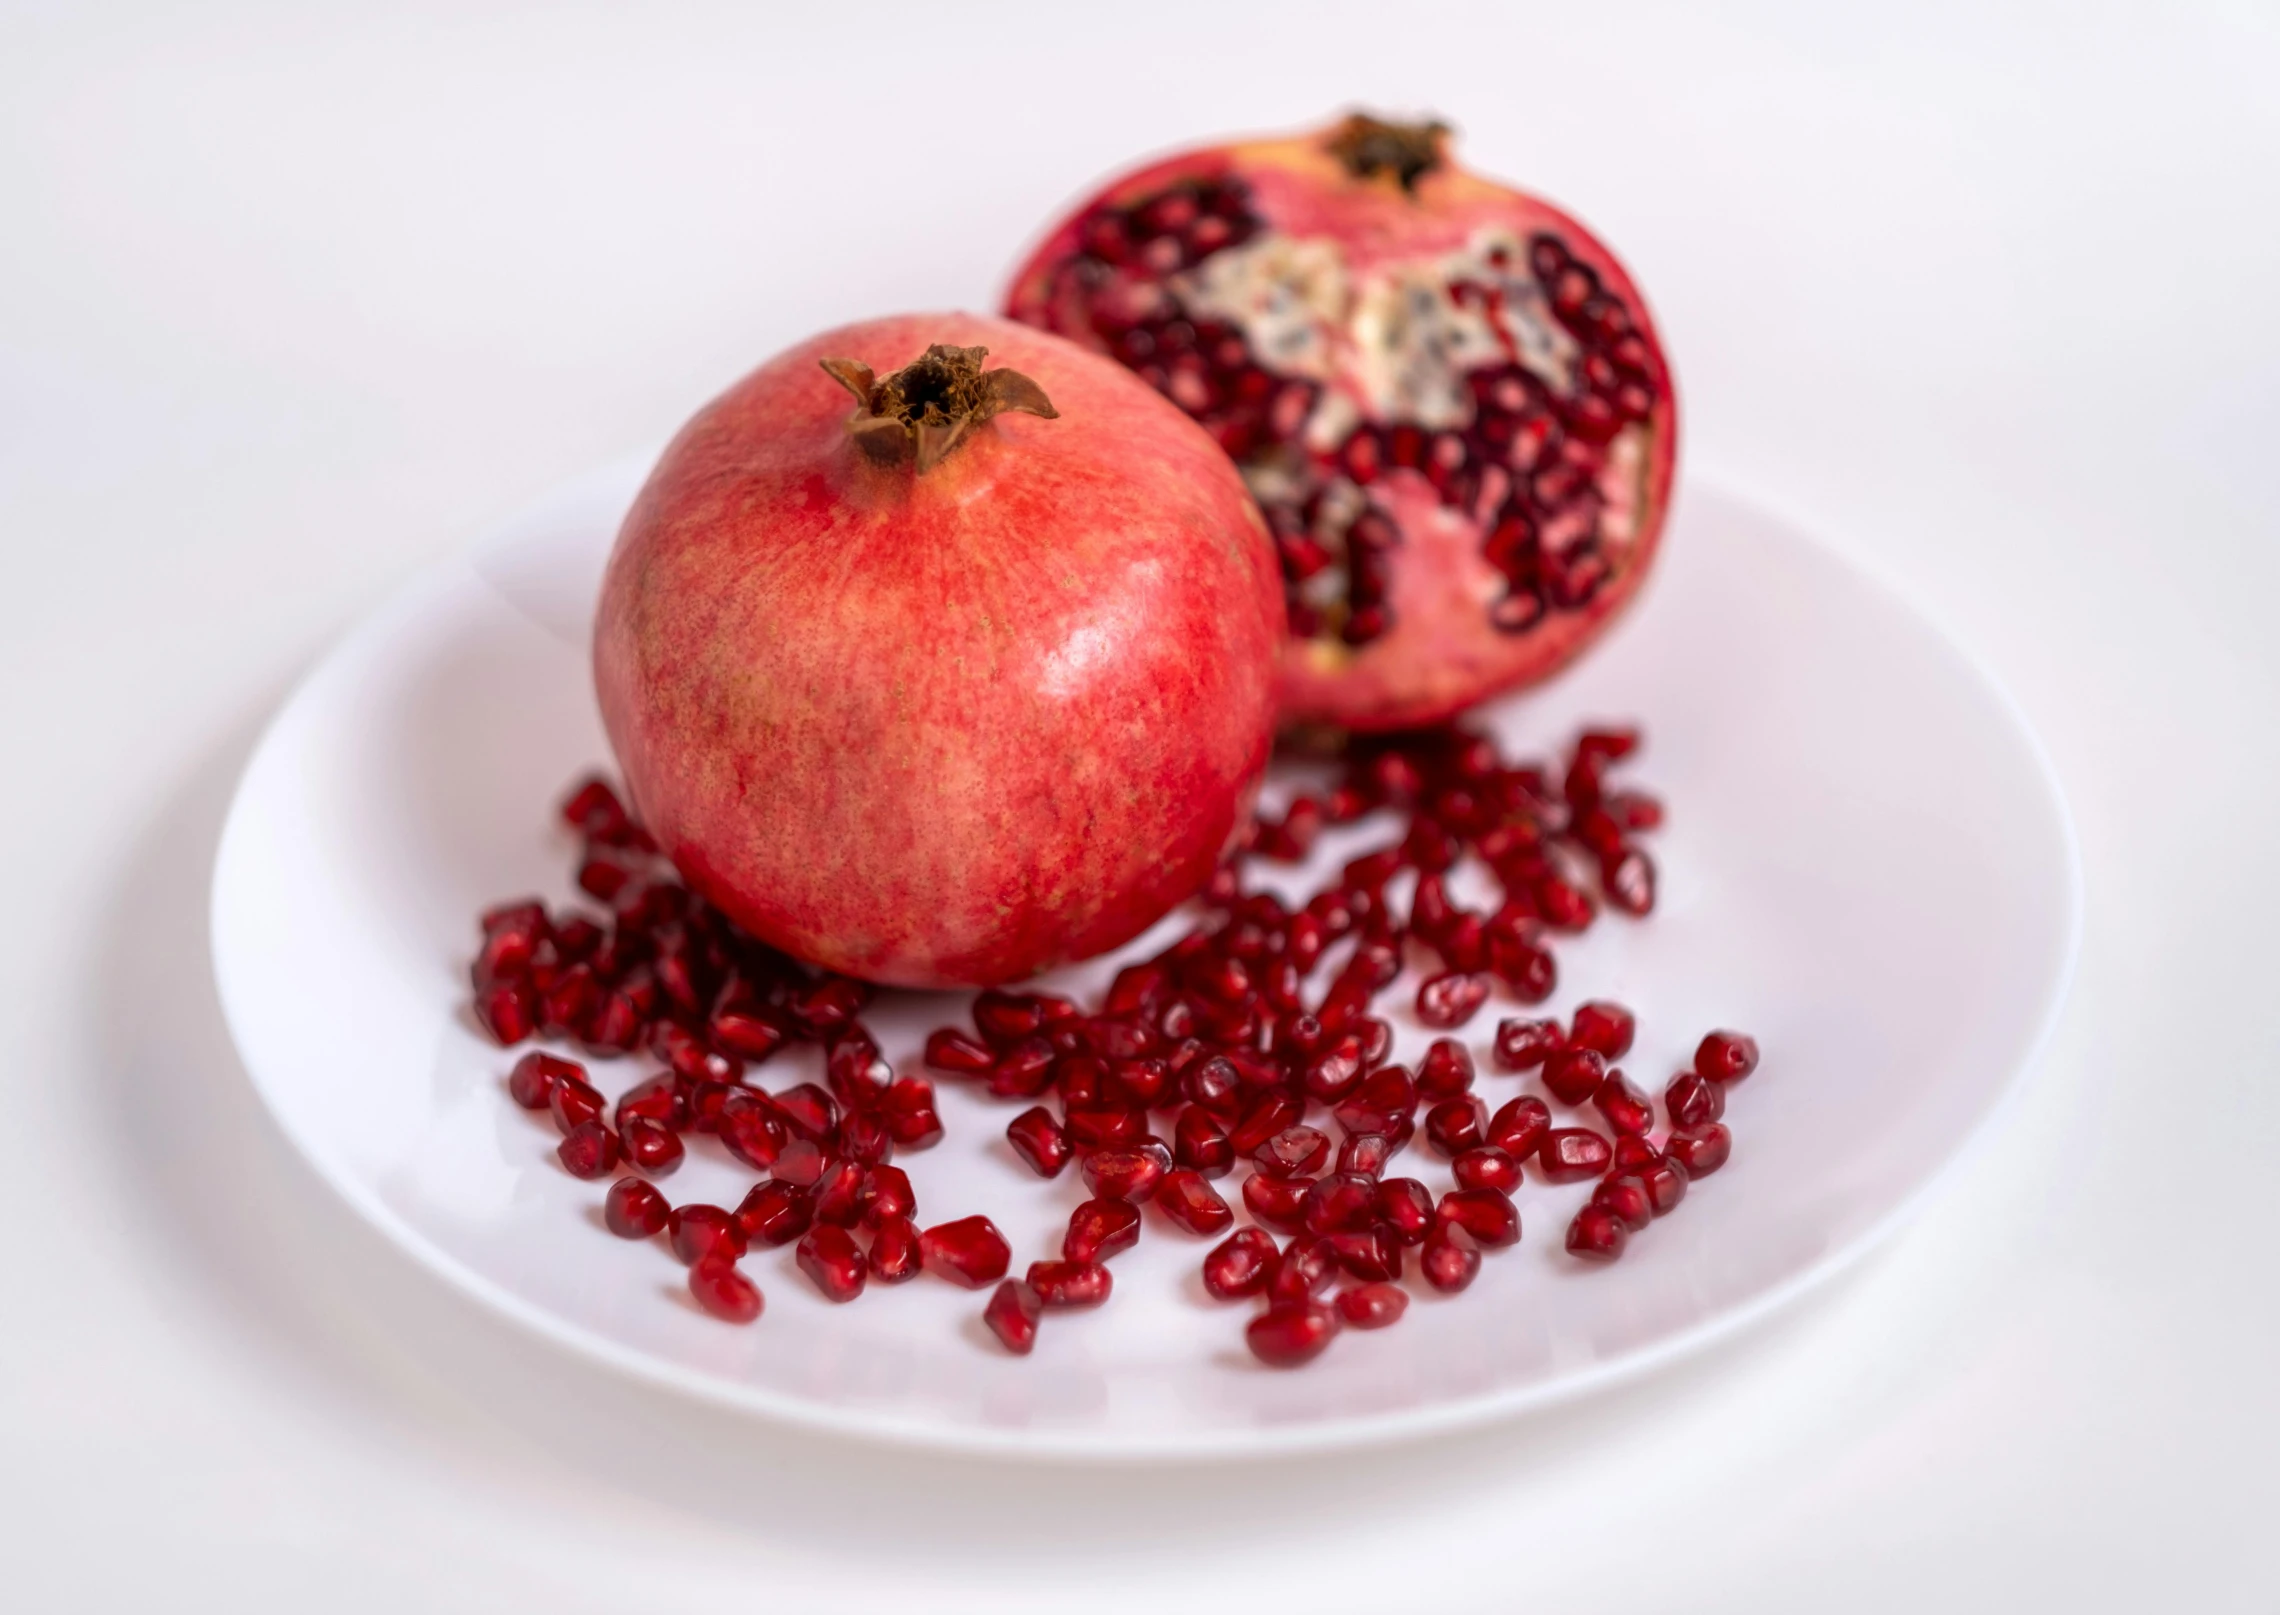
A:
(926, 408)
(1405, 152)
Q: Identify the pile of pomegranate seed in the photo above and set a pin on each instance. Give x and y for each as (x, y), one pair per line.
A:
(1217, 1054)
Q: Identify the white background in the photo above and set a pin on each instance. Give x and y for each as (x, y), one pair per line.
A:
(292, 304)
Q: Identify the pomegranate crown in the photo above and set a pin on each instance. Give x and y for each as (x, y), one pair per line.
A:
(926, 408)
(1402, 152)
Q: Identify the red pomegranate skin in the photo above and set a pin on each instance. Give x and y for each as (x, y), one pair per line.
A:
(1361, 238)
(951, 727)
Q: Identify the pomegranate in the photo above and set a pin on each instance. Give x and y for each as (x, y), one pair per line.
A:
(1446, 393)
(940, 675)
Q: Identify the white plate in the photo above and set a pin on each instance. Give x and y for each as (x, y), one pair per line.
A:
(1868, 865)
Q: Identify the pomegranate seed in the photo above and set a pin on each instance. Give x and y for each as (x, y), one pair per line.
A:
(810, 1112)
(776, 1213)
(593, 809)
(1486, 1214)
(1487, 1167)
(651, 1146)
(1520, 1125)
(699, 1231)
(829, 1256)
(1240, 1265)
(634, 1209)
(1626, 1196)
(1456, 1125)
(1105, 1129)
(1571, 1154)
(894, 1251)
(803, 1163)
(1292, 1153)
(659, 1099)
(1634, 1153)
(1286, 1336)
(1006, 1018)
(1215, 1088)
(574, 1103)
(1267, 1116)
(1627, 1110)
(1446, 1071)
(508, 1011)
(1597, 1235)
(1629, 882)
(1023, 1071)
(753, 1034)
(839, 1195)
(531, 1083)
(1332, 1074)
(589, 1151)
(1070, 1285)
(1574, 1075)
(1451, 999)
(1100, 1229)
(1305, 1268)
(1372, 1306)
(1693, 1100)
(952, 1050)
(1365, 1154)
(1189, 1200)
(969, 1251)
(1606, 1027)
(749, 1127)
(1699, 1151)
(1524, 967)
(1450, 1259)
(1277, 1202)
(723, 1291)
(1126, 1174)
(1666, 1187)
(1407, 1208)
(1038, 1139)
(1370, 1257)
(1342, 1203)
(1199, 1145)
(887, 1194)
(1726, 1056)
(1012, 1315)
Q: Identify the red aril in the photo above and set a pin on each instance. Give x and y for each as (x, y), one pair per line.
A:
(1038, 1139)
(1277, 1202)
(1699, 1151)
(723, 1291)
(1666, 1186)
(1021, 711)
(776, 1213)
(1693, 1100)
(1597, 1235)
(590, 1150)
(574, 1103)
(1573, 1075)
(1456, 1125)
(1406, 1206)
(651, 1146)
(1189, 1201)
(531, 1082)
(1342, 1203)
(1295, 1152)
(1446, 393)
(1450, 1259)
(1126, 1174)
(634, 1209)
(1606, 1027)
(1200, 1145)
(1240, 1265)
(894, 1251)
(887, 1193)
(699, 1231)
(1451, 999)
(1012, 1315)
(1625, 1194)
(1726, 1056)
(1372, 1306)
(1365, 1154)
(1486, 1214)
(1519, 1126)
(1286, 1336)
(1628, 1111)
(1099, 1229)
(1571, 1154)
(1487, 1167)
(969, 1251)
(1067, 1285)
(1446, 1071)
(830, 1257)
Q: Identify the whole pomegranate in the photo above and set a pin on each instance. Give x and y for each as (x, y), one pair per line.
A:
(938, 674)
(1445, 393)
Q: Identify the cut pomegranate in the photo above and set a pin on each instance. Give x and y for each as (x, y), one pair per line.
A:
(1597, 1235)
(699, 1231)
(894, 1251)
(1192, 1203)
(1605, 1027)
(1726, 1056)
(1699, 1151)
(1100, 1229)
(1070, 1285)
(1486, 1214)
(589, 1151)
(1450, 1259)
(1372, 1306)
(1286, 1336)
(1240, 1265)
(969, 1251)
(1012, 1315)
(723, 1291)
(830, 1257)
(1571, 1154)
(634, 1209)
(1693, 1100)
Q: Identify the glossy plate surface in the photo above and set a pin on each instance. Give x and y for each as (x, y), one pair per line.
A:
(1868, 865)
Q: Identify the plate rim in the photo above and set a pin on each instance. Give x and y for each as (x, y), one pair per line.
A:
(1075, 1446)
